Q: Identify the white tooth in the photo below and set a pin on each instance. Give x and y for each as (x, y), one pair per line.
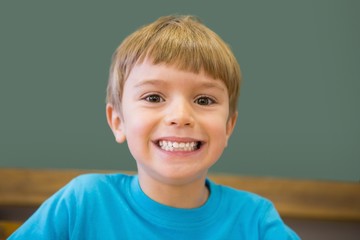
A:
(177, 146)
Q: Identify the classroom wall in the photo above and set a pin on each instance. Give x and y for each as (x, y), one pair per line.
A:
(299, 105)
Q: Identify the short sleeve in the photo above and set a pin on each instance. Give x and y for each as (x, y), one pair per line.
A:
(273, 227)
(51, 220)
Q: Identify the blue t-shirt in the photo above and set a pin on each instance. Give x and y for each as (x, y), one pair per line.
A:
(113, 206)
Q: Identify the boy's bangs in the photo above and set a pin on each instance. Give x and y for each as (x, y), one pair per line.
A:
(188, 54)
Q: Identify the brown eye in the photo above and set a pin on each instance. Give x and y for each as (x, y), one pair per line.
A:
(154, 98)
(204, 101)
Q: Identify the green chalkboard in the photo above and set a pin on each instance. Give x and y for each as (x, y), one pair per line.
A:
(299, 113)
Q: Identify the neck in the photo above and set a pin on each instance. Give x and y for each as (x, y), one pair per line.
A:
(184, 195)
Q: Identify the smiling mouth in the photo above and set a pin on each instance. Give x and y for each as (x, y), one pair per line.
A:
(179, 146)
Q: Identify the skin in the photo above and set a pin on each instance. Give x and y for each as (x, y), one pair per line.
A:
(163, 103)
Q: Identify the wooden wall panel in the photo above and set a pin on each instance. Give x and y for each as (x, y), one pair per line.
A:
(293, 198)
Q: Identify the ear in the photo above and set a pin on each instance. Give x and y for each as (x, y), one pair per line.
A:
(230, 126)
(116, 123)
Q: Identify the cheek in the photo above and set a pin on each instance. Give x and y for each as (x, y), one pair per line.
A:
(137, 138)
(138, 128)
(220, 122)
(217, 131)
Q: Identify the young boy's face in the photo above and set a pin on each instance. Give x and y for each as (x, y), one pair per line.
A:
(176, 123)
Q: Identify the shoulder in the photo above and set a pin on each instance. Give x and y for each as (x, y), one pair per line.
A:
(243, 206)
(253, 211)
(67, 211)
(236, 196)
(95, 184)
(97, 178)
(85, 191)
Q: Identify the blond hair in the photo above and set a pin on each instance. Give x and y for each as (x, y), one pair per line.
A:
(182, 41)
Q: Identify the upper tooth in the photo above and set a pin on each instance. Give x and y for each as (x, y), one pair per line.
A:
(169, 144)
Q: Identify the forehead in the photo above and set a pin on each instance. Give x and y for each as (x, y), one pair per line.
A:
(148, 74)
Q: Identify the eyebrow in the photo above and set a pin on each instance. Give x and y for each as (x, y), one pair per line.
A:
(154, 82)
(213, 84)
(158, 82)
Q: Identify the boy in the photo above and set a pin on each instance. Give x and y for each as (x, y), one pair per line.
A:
(172, 96)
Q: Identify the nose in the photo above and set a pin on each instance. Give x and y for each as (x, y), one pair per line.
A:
(180, 114)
